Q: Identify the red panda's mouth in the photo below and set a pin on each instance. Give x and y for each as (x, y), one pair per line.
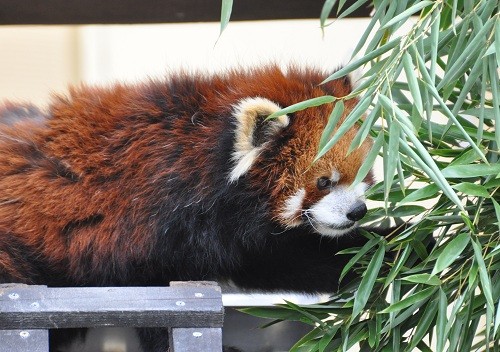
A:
(331, 229)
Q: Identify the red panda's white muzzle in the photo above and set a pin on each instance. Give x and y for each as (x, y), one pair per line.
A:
(333, 215)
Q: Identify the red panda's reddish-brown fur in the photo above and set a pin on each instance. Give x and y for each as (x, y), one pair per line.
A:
(87, 185)
(145, 184)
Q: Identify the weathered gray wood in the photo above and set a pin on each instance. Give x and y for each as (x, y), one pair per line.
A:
(24, 340)
(39, 307)
(195, 339)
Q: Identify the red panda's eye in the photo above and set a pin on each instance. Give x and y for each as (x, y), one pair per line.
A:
(324, 183)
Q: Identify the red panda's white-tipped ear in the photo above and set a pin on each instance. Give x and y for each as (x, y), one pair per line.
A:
(252, 131)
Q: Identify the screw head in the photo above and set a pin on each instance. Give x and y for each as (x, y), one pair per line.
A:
(24, 334)
(197, 334)
(198, 294)
(14, 295)
(180, 303)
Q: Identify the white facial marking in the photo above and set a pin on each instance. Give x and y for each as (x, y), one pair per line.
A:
(328, 215)
(246, 112)
(293, 208)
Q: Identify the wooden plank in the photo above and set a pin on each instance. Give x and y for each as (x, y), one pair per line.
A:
(153, 11)
(189, 340)
(39, 307)
(24, 340)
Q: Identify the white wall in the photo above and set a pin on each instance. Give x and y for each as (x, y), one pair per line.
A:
(131, 52)
(38, 60)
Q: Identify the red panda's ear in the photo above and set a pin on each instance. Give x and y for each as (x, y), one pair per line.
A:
(252, 131)
(342, 86)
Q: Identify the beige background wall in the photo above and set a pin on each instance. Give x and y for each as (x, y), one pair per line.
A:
(36, 60)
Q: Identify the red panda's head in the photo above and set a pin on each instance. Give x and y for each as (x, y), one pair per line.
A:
(276, 156)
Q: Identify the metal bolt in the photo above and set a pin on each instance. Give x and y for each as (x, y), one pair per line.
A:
(180, 303)
(198, 294)
(35, 305)
(197, 334)
(24, 334)
(14, 295)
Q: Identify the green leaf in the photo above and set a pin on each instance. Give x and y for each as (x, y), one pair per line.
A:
(334, 118)
(497, 40)
(325, 11)
(225, 14)
(406, 210)
(472, 189)
(495, 94)
(303, 105)
(451, 252)
(483, 274)
(368, 281)
(468, 171)
(367, 165)
(424, 323)
(497, 212)
(441, 334)
(426, 279)
(485, 285)
(419, 297)
(403, 16)
(368, 245)
(327, 338)
(351, 119)
(413, 83)
(398, 265)
(360, 62)
(449, 114)
(426, 192)
(313, 334)
(392, 156)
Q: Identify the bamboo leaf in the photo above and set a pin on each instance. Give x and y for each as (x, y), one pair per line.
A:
(469, 171)
(424, 323)
(351, 119)
(495, 93)
(412, 83)
(303, 105)
(352, 8)
(397, 267)
(327, 338)
(425, 192)
(392, 156)
(497, 40)
(485, 286)
(441, 321)
(325, 11)
(418, 297)
(426, 279)
(360, 62)
(369, 245)
(497, 212)
(368, 281)
(483, 274)
(225, 14)
(334, 118)
(472, 189)
(461, 64)
(403, 16)
(451, 252)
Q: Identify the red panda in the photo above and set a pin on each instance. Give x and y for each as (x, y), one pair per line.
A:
(180, 179)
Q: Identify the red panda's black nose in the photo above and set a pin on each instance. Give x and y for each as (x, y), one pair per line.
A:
(357, 211)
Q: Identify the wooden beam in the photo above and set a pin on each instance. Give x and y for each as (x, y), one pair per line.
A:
(154, 11)
(40, 307)
(24, 340)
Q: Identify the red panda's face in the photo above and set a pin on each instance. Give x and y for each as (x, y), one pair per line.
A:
(320, 194)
